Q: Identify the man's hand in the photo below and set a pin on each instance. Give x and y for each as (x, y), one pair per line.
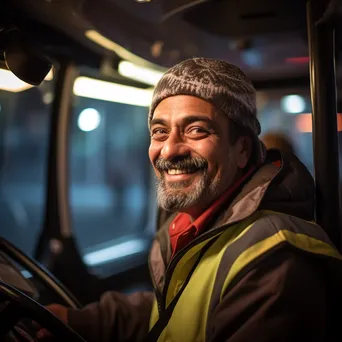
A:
(58, 310)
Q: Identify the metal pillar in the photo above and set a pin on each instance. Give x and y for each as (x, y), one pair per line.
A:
(321, 35)
(57, 213)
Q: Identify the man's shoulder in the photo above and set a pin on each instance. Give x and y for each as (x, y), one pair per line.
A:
(274, 230)
(279, 222)
(268, 232)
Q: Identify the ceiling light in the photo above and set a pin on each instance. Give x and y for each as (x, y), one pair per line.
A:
(108, 44)
(138, 73)
(113, 92)
(49, 76)
(293, 104)
(123, 53)
(89, 119)
(10, 82)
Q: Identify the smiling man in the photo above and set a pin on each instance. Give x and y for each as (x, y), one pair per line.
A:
(239, 258)
(192, 155)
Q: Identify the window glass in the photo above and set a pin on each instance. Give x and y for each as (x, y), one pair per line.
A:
(288, 111)
(109, 176)
(24, 137)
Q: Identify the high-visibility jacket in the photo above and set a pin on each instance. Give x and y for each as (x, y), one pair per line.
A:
(261, 271)
(209, 267)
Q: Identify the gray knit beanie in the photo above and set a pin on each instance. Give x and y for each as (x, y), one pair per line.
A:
(218, 82)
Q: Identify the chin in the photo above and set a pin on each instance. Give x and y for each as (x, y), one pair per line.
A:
(180, 185)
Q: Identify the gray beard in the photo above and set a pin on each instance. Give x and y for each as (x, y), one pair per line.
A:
(174, 198)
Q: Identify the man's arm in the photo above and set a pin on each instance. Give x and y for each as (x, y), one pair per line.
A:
(116, 317)
(282, 299)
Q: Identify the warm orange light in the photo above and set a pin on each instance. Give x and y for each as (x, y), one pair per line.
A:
(304, 122)
(298, 60)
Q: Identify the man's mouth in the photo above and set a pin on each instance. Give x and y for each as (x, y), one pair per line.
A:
(179, 176)
(179, 172)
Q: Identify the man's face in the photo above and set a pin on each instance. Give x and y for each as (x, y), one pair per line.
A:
(192, 156)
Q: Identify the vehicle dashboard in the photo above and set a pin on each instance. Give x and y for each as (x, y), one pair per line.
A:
(12, 274)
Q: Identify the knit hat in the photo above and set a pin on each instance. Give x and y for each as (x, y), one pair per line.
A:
(218, 82)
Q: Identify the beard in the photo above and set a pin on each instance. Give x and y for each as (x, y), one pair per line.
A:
(176, 196)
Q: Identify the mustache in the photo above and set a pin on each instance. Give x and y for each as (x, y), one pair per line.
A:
(185, 163)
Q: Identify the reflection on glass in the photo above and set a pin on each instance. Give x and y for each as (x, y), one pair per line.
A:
(285, 111)
(24, 138)
(110, 178)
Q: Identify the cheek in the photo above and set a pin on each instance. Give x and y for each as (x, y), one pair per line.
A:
(222, 165)
(214, 165)
(153, 153)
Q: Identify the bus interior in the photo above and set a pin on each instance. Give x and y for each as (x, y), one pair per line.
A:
(77, 195)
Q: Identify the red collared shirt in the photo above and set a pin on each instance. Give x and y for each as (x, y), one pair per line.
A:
(182, 230)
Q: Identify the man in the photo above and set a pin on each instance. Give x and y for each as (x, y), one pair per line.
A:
(240, 259)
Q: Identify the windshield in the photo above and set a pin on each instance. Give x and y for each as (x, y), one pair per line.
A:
(25, 114)
(109, 170)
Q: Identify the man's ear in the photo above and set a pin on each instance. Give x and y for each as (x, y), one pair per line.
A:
(244, 147)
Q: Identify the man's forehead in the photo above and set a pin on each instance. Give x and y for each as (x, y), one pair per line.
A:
(182, 106)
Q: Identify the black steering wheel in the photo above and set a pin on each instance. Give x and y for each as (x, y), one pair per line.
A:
(39, 271)
(18, 305)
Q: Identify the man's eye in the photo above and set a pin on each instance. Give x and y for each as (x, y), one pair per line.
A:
(158, 133)
(198, 131)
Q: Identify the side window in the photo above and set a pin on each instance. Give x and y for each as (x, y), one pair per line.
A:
(288, 111)
(24, 138)
(109, 174)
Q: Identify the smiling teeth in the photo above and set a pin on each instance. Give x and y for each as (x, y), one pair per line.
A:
(177, 172)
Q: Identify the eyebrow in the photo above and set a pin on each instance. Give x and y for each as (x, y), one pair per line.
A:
(185, 121)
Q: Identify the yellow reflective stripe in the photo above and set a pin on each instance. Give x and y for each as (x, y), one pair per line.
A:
(182, 270)
(300, 241)
(185, 264)
(194, 303)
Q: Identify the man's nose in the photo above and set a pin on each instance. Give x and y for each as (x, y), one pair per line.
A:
(174, 146)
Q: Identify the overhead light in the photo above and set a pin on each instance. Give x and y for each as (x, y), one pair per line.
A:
(117, 251)
(108, 44)
(113, 92)
(123, 53)
(142, 1)
(138, 73)
(49, 76)
(10, 82)
(293, 104)
(89, 119)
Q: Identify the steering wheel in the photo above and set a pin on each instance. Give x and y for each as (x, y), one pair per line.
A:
(42, 274)
(18, 305)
